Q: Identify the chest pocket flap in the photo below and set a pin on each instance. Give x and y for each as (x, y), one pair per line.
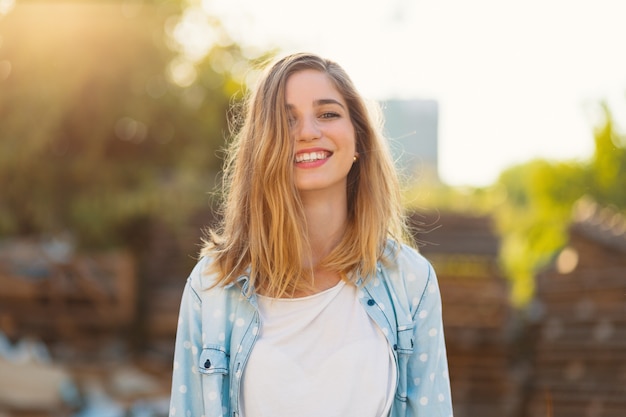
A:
(213, 360)
(405, 339)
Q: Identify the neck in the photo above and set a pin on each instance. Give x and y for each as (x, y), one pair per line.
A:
(326, 221)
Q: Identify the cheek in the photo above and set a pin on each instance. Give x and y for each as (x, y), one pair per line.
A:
(353, 133)
(350, 137)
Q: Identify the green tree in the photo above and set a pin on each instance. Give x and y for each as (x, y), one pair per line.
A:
(535, 217)
(532, 203)
(607, 182)
(98, 124)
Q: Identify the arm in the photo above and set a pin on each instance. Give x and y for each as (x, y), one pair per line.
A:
(428, 383)
(187, 398)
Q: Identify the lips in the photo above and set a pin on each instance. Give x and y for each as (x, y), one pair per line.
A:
(312, 156)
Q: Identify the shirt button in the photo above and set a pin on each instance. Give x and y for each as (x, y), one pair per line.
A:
(395, 347)
(371, 302)
(207, 364)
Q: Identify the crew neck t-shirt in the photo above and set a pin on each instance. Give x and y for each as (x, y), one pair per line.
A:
(319, 355)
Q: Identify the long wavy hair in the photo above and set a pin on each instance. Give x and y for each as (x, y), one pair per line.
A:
(263, 228)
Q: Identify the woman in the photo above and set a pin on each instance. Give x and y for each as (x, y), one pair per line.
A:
(306, 301)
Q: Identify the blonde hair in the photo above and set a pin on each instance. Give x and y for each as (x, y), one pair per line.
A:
(262, 232)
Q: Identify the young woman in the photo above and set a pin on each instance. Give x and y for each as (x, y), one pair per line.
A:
(306, 300)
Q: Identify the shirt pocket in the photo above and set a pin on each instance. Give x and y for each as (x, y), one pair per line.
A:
(213, 361)
(405, 340)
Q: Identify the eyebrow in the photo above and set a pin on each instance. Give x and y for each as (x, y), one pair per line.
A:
(322, 102)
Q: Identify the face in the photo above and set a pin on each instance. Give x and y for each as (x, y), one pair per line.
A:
(321, 127)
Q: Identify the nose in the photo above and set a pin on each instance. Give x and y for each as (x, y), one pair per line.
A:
(308, 129)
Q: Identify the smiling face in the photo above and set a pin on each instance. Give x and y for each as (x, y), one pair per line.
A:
(324, 136)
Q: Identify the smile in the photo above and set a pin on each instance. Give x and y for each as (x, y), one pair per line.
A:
(312, 156)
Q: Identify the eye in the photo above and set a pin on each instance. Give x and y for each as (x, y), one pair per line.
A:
(291, 120)
(329, 115)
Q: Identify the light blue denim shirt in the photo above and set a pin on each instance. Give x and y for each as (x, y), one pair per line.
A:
(218, 326)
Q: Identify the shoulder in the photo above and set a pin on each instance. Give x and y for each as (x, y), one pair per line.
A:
(407, 261)
(200, 276)
(204, 281)
(408, 271)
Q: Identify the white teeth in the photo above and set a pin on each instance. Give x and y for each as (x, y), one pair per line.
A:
(310, 156)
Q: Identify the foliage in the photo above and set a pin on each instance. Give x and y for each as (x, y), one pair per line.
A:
(607, 182)
(532, 203)
(96, 130)
(535, 217)
(533, 220)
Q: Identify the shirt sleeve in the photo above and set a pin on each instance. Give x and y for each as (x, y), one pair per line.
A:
(428, 382)
(186, 397)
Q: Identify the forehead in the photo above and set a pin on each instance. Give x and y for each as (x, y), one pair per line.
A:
(311, 86)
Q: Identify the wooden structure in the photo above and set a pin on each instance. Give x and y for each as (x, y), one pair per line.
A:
(579, 367)
(77, 304)
(57, 295)
(477, 315)
(168, 260)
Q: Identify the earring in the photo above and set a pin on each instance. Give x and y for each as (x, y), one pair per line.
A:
(356, 157)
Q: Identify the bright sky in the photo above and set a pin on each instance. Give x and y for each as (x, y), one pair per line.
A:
(514, 79)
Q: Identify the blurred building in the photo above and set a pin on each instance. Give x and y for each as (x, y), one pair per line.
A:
(479, 321)
(570, 361)
(412, 129)
(52, 292)
(579, 339)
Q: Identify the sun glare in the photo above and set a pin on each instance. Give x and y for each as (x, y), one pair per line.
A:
(194, 34)
(6, 6)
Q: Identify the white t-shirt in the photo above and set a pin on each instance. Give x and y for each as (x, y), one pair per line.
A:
(317, 356)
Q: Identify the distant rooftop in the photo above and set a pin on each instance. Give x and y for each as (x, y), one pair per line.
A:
(605, 225)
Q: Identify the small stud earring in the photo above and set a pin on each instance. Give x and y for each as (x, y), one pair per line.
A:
(356, 156)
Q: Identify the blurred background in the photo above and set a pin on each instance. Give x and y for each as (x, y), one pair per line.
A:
(506, 119)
